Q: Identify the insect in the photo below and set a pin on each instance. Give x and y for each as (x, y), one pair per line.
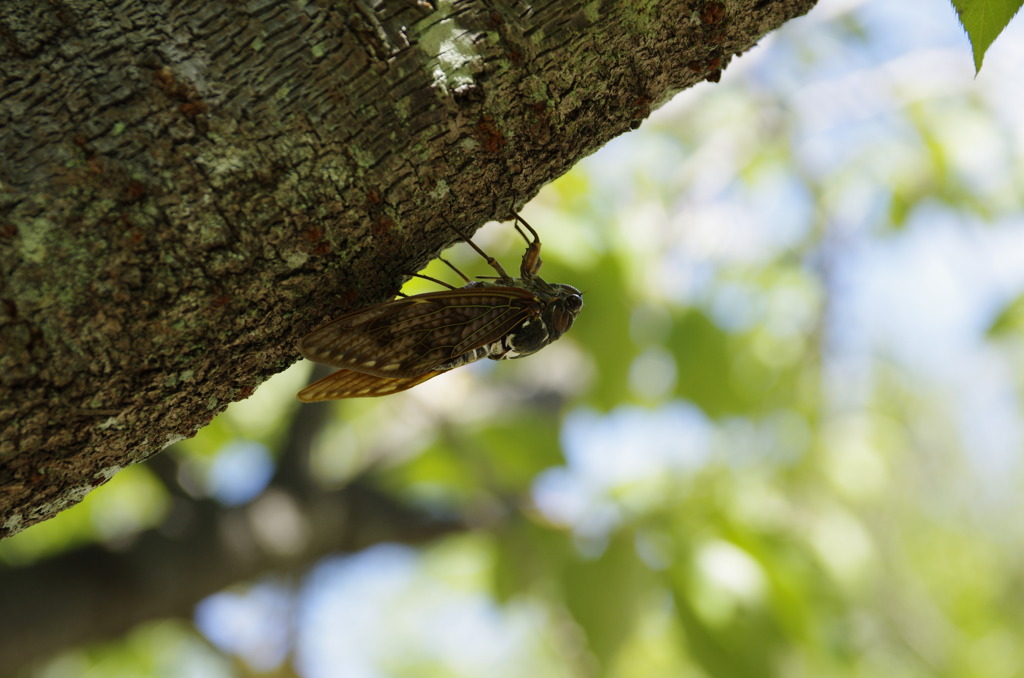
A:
(393, 346)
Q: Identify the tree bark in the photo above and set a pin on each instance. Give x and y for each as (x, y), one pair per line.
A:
(187, 187)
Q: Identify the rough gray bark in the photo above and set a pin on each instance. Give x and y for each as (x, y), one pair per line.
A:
(186, 187)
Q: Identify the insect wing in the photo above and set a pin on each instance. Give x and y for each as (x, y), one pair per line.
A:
(407, 337)
(351, 384)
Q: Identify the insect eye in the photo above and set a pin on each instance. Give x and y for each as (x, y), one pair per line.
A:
(565, 313)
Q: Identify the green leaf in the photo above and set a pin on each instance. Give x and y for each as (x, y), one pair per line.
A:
(705, 364)
(984, 20)
(604, 595)
(513, 452)
(1010, 320)
(603, 329)
(528, 556)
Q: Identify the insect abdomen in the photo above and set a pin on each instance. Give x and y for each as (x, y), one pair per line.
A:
(495, 350)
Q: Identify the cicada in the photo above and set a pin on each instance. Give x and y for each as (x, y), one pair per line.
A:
(393, 346)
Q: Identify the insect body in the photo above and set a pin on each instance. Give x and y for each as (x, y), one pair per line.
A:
(390, 347)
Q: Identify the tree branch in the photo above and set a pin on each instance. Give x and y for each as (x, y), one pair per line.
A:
(93, 594)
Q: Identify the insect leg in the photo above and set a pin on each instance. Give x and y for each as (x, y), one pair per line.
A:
(490, 260)
(452, 266)
(520, 220)
(531, 258)
(435, 280)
